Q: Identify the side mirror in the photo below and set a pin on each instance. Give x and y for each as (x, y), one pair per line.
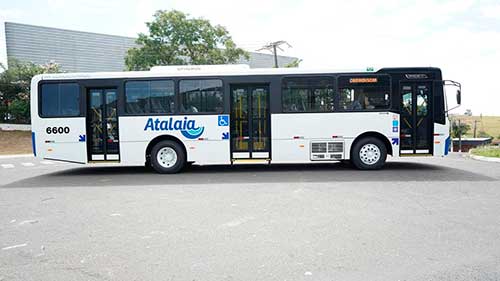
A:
(459, 92)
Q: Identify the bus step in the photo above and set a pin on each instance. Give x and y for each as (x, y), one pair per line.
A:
(251, 161)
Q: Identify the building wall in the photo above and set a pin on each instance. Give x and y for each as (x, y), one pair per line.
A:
(469, 144)
(77, 51)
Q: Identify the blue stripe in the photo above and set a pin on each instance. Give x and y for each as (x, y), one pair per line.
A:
(33, 143)
(447, 145)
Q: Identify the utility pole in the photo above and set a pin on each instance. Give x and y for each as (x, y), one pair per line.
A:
(475, 126)
(459, 136)
(273, 47)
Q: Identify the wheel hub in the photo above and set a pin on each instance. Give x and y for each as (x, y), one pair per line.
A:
(167, 157)
(369, 154)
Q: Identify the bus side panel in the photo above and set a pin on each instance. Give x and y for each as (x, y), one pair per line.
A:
(57, 138)
(293, 133)
(62, 139)
(205, 137)
(442, 140)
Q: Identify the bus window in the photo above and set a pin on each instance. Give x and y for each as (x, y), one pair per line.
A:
(204, 96)
(156, 96)
(60, 100)
(364, 93)
(307, 94)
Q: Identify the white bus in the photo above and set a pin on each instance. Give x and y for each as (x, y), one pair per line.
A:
(226, 115)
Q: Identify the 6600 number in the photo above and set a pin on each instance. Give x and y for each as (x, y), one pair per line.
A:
(57, 130)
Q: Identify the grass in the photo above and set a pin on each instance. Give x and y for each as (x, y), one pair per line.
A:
(15, 142)
(487, 151)
(488, 124)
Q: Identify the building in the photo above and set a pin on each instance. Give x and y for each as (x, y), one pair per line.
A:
(79, 51)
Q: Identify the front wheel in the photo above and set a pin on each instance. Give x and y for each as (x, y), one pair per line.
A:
(369, 154)
(168, 157)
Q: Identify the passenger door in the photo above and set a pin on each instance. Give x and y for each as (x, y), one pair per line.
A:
(102, 125)
(250, 121)
(416, 119)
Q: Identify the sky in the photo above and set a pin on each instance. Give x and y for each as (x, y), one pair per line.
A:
(462, 37)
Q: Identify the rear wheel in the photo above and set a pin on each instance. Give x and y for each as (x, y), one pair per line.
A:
(369, 154)
(168, 157)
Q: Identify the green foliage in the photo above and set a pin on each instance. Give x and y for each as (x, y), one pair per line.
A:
(20, 110)
(487, 151)
(3, 112)
(15, 88)
(294, 63)
(457, 130)
(176, 39)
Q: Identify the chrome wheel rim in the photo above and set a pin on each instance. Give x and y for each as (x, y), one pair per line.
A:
(167, 157)
(369, 154)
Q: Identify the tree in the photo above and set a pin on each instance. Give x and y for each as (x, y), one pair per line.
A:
(294, 63)
(459, 130)
(15, 88)
(176, 39)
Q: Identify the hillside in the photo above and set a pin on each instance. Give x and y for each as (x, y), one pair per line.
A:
(488, 124)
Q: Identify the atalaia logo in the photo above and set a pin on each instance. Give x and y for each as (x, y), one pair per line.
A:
(187, 127)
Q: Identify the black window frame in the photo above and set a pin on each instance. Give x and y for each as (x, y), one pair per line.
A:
(367, 75)
(180, 100)
(332, 79)
(81, 100)
(124, 97)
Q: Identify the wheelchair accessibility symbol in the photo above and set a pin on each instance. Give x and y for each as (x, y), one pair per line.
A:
(223, 120)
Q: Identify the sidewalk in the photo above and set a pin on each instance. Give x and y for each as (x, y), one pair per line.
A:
(9, 156)
(484, 158)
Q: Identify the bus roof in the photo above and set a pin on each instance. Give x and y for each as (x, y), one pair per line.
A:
(213, 70)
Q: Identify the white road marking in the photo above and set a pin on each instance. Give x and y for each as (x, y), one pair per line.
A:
(15, 246)
(28, 221)
(28, 164)
(45, 162)
(238, 221)
(115, 215)
(7, 166)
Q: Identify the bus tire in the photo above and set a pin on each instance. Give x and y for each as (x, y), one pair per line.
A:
(168, 157)
(369, 154)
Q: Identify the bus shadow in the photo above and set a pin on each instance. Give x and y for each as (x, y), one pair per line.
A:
(194, 175)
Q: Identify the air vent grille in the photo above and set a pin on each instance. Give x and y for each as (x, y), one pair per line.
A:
(336, 156)
(318, 147)
(327, 151)
(335, 147)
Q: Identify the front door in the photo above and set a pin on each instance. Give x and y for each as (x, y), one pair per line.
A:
(102, 125)
(416, 120)
(250, 122)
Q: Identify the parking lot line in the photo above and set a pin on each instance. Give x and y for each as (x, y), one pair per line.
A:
(28, 164)
(7, 166)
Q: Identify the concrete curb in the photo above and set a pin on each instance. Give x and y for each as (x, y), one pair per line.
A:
(483, 158)
(15, 127)
(16, 156)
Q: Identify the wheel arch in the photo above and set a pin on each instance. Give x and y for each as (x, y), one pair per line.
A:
(158, 139)
(377, 135)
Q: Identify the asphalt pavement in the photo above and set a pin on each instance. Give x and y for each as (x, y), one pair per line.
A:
(417, 219)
